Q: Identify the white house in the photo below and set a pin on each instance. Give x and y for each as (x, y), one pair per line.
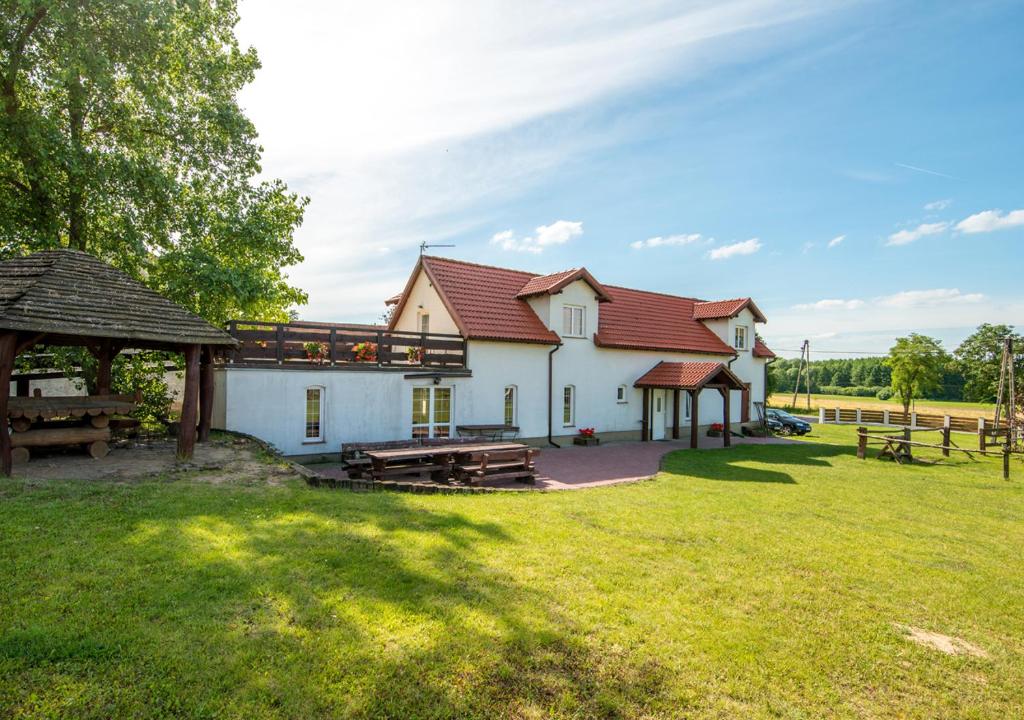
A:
(471, 344)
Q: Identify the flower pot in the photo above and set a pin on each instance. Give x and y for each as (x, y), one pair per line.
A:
(714, 433)
(580, 440)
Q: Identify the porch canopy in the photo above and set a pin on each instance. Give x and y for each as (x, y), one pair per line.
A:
(691, 377)
(67, 297)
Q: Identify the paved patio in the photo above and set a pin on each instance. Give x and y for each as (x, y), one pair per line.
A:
(574, 467)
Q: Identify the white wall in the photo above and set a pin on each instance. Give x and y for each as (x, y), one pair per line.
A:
(424, 298)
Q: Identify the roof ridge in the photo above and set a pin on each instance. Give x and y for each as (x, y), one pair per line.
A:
(655, 292)
(483, 265)
(725, 300)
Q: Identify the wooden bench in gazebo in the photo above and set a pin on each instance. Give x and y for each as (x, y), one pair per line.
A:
(69, 298)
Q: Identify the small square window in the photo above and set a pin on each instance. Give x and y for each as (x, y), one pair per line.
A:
(573, 321)
(620, 394)
(740, 341)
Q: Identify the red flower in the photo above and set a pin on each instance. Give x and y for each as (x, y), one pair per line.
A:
(717, 426)
(587, 432)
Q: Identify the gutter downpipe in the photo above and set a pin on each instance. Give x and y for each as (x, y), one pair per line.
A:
(551, 363)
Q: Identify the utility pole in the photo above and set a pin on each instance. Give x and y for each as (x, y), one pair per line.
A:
(805, 371)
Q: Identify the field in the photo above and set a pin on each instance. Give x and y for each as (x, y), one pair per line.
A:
(938, 407)
(758, 582)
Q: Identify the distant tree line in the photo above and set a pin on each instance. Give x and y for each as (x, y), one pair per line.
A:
(917, 366)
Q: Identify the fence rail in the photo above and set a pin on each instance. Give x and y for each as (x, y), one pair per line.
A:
(315, 345)
(986, 430)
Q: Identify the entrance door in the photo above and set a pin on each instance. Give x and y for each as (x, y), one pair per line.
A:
(658, 411)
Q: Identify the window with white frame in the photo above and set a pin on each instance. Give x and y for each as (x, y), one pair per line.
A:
(431, 412)
(314, 414)
(569, 406)
(574, 321)
(740, 341)
(510, 405)
(424, 323)
(620, 394)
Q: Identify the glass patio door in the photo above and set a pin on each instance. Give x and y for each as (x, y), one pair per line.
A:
(431, 412)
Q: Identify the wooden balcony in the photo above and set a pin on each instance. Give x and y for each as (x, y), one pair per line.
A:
(355, 347)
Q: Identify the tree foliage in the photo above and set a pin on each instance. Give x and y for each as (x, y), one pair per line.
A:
(979, 358)
(917, 364)
(121, 135)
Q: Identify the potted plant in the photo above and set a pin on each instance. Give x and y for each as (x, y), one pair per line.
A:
(365, 352)
(316, 352)
(586, 437)
(415, 355)
(716, 429)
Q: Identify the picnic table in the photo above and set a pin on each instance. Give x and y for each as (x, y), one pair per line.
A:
(438, 460)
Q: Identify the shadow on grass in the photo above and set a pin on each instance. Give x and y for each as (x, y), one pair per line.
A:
(747, 463)
(317, 605)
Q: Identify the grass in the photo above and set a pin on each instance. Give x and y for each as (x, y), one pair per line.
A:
(784, 401)
(759, 582)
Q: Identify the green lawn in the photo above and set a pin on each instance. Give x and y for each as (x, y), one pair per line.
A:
(760, 582)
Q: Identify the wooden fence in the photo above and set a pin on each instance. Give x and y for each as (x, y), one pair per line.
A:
(986, 430)
(314, 345)
(900, 446)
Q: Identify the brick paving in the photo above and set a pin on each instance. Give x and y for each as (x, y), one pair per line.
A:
(573, 467)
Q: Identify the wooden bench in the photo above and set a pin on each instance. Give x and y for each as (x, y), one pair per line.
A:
(496, 466)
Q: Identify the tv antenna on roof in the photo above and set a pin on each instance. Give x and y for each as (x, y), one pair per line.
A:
(424, 246)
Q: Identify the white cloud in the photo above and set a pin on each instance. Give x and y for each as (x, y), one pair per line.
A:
(557, 233)
(871, 324)
(745, 247)
(659, 241)
(990, 220)
(929, 298)
(409, 121)
(831, 305)
(938, 205)
(904, 237)
(836, 240)
(808, 246)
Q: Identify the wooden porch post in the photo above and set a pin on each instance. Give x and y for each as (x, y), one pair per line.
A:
(205, 392)
(8, 345)
(726, 433)
(675, 414)
(187, 428)
(104, 362)
(645, 424)
(694, 417)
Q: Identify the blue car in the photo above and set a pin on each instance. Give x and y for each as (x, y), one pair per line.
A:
(788, 424)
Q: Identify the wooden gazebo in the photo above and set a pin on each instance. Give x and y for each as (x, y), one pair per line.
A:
(66, 297)
(691, 377)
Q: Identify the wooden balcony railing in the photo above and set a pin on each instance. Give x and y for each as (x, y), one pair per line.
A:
(313, 345)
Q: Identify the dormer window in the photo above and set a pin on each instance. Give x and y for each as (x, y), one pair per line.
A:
(574, 321)
(740, 342)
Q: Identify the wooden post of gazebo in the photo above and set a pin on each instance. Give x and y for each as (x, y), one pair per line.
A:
(726, 428)
(675, 413)
(189, 400)
(694, 418)
(8, 347)
(205, 392)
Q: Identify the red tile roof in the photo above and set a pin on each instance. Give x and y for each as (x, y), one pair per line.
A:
(482, 301)
(725, 309)
(487, 303)
(761, 350)
(687, 375)
(551, 284)
(640, 320)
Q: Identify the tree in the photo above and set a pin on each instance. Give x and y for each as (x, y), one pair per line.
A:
(979, 357)
(917, 363)
(121, 136)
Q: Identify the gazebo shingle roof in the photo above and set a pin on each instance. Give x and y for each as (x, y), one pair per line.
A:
(70, 293)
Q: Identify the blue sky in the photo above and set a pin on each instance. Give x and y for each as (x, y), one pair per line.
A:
(854, 167)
